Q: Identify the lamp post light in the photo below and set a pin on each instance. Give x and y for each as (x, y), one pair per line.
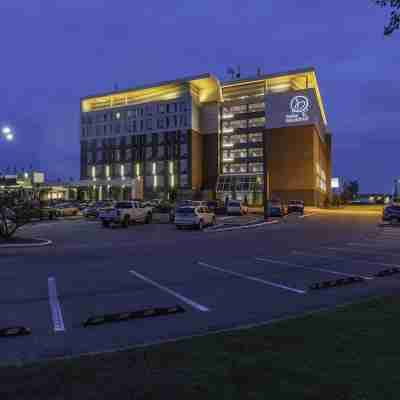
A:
(7, 133)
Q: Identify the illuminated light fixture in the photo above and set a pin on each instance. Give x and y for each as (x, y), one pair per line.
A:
(94, 173)
(8, 135)
(227, 116)
(118, 115)
(228, 144)
(26, 175)
(172, 180)
(107, 171)
(228, 159)
(155, 180)
(122, 171)
(227, 130)
(6, 130)
(171, 167)
(154, 168)
(137, 169)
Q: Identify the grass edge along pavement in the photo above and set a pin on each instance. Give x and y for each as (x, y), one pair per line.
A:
(348, 353)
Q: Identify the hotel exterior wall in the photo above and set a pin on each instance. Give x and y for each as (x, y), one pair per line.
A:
(292, 156)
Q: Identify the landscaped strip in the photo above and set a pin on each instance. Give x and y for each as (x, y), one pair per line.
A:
(349, 353)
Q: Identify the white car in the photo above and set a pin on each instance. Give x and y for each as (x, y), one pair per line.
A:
(125, 213)
(198, 217)
(236, 207)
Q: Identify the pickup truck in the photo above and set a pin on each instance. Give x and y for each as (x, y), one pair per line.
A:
(126, 212)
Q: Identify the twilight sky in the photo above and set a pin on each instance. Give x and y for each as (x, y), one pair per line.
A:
(55, 51)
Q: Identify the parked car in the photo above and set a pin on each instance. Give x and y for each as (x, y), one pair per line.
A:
(236, 207)
(295, 206)
(198, 217)
(391, 212)
(43, 213)
(276, 209)
(179, 204)
(126, 212)
(93, 210)
(67, 209)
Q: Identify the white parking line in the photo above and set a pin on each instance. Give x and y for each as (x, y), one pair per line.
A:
(193, 304)
(329, 271)
(363, 251)
(251, 278)
(345, 259)
(55, 307)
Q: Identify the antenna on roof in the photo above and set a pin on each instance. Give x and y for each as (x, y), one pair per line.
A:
(231, 72)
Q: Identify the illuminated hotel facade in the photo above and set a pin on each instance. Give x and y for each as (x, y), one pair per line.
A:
(199, 138)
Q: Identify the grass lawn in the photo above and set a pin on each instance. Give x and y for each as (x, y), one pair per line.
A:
(350, 353)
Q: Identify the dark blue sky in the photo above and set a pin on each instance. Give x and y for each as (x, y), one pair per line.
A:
(55, 51)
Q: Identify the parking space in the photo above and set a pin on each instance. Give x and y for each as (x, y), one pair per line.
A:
(221, 280)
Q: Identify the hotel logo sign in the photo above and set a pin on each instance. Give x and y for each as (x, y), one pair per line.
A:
(299, 108)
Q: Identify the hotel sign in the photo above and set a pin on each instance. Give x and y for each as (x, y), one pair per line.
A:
(299, 107)
(294, 108)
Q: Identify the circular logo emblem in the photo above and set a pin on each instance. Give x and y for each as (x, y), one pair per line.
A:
(299, 104)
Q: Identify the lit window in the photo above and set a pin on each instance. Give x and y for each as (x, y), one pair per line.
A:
(117, 115)
(122, 171)
(172, 181)
(137, 169)
(94, 172)
(155, 181)
(171, 167)
(107, 171)
(154, 168)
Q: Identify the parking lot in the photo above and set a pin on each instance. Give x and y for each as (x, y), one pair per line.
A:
(223, 280)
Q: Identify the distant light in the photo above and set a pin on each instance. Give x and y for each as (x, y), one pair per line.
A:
(9, 137)
(26, 175)
(6, 130)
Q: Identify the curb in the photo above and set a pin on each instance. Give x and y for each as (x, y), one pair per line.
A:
(124, 316)
(234, 228)
(22, 245)
(336, 283)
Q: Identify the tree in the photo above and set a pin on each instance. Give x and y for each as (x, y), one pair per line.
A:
(394, 22)
(12, 214)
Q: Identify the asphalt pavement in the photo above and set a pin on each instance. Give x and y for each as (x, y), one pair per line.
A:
(223, 279)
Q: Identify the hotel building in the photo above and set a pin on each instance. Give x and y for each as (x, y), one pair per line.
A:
(198, 137)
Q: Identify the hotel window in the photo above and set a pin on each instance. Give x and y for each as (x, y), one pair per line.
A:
(128, 169)
(137, 169)
(149, 109)
(183, 180)
(117, 155)
(131, 113)
(171, 167)
(149, 124)
(128, 154)
(173, 107)
(255, 152)
(182, 106)
(161, 108)
(172, 181)
(257, 107)
(256, 137)
(183, 137)
(149, 139)
(257, 122)
(161, 123)
(225, 169)
(160, 152)
(184, 150)
(183, 166)
(99, 156)
(141, 125)
(174, 121)
(149, 153)
(243, 139)
(256, 167)
(149, 181)
(160, 180)
(239, 109)
(161, 138)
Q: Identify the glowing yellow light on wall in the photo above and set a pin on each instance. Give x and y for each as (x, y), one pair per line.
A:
(137, 169)
(172, 180)
(154, 168)
(171, 167)
(155, 181)
(94, 172)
